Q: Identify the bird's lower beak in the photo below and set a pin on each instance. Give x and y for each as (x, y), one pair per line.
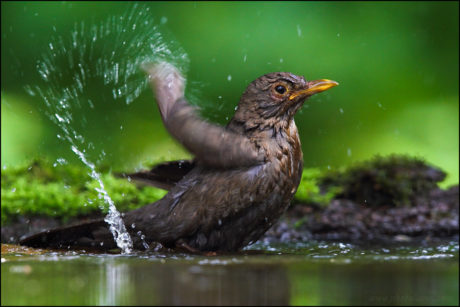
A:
(314, 87)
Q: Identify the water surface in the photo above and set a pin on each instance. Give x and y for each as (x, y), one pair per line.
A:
(315, 273)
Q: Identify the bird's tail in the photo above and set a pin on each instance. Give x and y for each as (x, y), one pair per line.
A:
(91, 234)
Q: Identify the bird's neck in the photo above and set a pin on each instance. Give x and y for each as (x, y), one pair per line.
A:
(278, 140)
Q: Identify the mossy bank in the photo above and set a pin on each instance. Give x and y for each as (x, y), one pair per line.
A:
(394, 197)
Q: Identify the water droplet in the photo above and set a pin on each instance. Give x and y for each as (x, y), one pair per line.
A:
(163, 20)
(29, 90)
(60, 119)
(13, 190)
(281, 60)
(229, 77)
(60, 161)
(299, 31)
(341, 111)
(349, 152)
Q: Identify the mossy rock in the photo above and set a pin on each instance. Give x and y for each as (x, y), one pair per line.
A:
(395, 180)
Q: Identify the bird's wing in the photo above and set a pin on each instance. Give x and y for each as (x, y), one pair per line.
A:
(164, 175)
(211, 144)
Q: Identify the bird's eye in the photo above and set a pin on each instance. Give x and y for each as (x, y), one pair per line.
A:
(280, 89)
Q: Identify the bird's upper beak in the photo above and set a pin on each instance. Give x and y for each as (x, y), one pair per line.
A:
(314, 87)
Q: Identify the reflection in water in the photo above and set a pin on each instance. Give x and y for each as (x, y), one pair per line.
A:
(216, 285)
(136, 282)
(115, 287)
(410, 283)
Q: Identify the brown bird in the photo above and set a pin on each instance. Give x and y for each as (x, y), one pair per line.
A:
(242, 179)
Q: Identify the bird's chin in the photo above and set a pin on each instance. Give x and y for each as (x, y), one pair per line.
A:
(294, 105)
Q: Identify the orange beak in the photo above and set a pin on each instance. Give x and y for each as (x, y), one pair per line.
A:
(314, 87)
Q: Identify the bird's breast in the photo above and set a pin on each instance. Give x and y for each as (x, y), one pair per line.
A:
(283, 168)
(284, 153)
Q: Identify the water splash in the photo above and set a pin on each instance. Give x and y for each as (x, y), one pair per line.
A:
(100, 58)
(111, 51)
(113, 218)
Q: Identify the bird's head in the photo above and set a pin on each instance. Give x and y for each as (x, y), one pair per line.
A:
(276, 97)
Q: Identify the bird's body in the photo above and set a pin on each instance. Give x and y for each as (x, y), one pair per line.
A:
(225, 209)
(242, 179)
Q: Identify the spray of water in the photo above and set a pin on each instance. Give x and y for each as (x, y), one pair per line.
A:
(108, 55)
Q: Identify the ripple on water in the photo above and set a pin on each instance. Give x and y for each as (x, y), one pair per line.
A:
(353, 252)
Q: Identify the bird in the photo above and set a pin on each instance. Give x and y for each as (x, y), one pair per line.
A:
(241, 180)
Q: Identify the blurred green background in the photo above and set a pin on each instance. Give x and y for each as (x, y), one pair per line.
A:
(396, 62)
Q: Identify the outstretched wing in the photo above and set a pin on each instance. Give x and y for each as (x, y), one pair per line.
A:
(212, 145)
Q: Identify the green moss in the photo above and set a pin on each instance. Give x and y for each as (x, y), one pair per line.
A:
(65, 191)
(309, 188)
